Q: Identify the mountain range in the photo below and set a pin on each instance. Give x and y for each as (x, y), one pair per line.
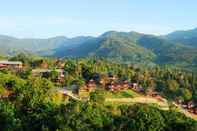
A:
(179, 47)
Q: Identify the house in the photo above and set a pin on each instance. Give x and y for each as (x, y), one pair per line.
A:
(125, 84)
(114, 86)
(46, 72)
(178, 101)
(11, 64)
(104, 80)
(40, 72)
(112, 77)
(91, 85)
(6, 94)
(60, 64)
(195, 111)
(137, 88)
(184, 105)
(153, 94)
(157, 96)
(190, 105)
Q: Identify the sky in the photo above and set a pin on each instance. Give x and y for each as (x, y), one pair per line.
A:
(49, 18)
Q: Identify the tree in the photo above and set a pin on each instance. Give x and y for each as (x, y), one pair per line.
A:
(97, 96)
(70, 67)
(87, 72)
(172, 88)
(187, 95)
(141, 118)
(8, 120)
(53, 75)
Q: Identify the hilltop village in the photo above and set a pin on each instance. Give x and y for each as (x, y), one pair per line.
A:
(88, 94)
(63, 72)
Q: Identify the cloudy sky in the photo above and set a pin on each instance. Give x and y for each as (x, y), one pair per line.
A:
(48, 18)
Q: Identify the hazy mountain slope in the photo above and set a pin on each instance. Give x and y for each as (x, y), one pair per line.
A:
(11, 45)
(188, 37)
(70, 45)
(133, 47)
(130, 47)
(168, 51)
(114, 45)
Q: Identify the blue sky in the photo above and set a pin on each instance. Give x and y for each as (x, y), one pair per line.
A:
(48, 18)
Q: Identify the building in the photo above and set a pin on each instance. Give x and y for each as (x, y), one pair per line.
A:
(11, 64)
(113, 86)
(91, 85)
(46, 72)
(125, 84)
(190, 105)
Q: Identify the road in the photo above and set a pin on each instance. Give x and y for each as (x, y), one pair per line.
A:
(68, 93)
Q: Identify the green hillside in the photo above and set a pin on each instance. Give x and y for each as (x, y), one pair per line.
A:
(134, 47)
(127, 47)
(11, 45)
(115, 45)
(188, 37)
(168, 52)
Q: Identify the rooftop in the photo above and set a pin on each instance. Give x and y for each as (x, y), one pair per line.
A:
(11, 62)
(46, 70)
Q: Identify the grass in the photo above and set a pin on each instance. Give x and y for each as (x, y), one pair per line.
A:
(84, 94)
(121, 94)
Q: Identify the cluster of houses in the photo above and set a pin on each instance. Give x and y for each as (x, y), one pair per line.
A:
(5, 64)
(190, 106)
(109, 83)
(112, 84)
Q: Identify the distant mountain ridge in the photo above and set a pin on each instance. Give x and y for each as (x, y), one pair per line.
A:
(179, 47)
(12, 45)
(188, 37)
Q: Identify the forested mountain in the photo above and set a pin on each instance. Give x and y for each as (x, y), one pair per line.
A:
(134, 47)
(131, 47)
(11, 45)
(169, 52)
(188, 37)
(114, 45)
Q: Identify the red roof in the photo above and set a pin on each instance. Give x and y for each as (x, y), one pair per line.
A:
(2, 65)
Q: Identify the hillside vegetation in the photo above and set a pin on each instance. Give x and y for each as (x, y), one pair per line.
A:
(32, 102)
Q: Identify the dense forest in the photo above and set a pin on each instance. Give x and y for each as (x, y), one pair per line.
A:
(27, 102)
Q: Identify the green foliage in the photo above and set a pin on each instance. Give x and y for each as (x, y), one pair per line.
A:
(30, 107)
(8, 119)
(70, 67)
(188, 37)
(178, 122)
(141, 118)
(97, 97)
(12, 46)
